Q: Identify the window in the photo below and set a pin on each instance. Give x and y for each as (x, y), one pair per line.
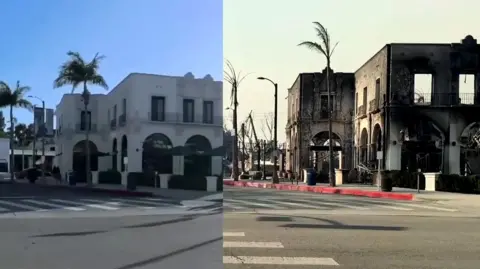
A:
(124, 106)
(208, 112)
(158, 108)
(109, 116)
(85, 120)
(114, 111)
(324, 106)
(188, 110)
(365, 96)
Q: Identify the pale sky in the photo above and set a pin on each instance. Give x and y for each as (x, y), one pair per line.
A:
(261, 36)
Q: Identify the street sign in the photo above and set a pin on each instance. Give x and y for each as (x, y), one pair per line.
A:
(379, 155)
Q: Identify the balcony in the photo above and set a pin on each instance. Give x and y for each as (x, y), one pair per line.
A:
(113, 124)
(80, 128)
(373, 105)
(362, 111)
(177, 118)
(122, 120)
(446, 99)
(319, 116)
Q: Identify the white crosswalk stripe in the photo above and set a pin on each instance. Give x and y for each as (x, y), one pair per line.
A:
(19, 205)
(246, 204)
(268, 260)
(42, 203)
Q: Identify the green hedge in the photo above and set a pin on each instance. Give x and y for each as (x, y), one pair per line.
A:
(457, 183)
(182, 182)
(110, 177)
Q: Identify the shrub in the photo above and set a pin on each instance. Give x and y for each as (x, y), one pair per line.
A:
(198, 183)
(134, 177)
(457, 183)
(352, 176)
(244, 176)
(110, 177)
(321, 177)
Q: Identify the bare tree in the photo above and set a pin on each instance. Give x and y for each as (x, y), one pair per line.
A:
(234, 78)
(267, 127)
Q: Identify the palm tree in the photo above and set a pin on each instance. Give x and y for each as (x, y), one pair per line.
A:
(233, 78)
(77, 72)
(326, 49)
(13, 98)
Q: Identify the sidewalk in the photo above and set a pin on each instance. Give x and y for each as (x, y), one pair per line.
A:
(353, 190)
(450, 199)
(121, 190)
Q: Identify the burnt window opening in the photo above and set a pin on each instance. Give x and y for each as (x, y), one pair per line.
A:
(324, 105)
(365, 93)
(423, 89)
(377, 93)
(466, 89)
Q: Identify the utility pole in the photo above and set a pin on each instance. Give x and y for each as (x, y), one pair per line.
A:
(235, 135)
(34, 144)
(264, 157)
(275, 140)
(331, 172)
(243, 147)
(43, 139)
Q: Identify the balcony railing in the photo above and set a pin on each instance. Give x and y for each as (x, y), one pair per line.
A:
(122, 120)
(373, 105)
(81, 128)
(361, 110)
(113, 124)
(323, 116)
(446, 99)
(177, 118)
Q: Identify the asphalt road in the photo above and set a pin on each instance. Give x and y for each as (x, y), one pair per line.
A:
(350, 241)
(102, 235)
(32, 201)
(266, 201)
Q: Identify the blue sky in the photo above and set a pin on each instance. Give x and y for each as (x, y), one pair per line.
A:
(150, 36)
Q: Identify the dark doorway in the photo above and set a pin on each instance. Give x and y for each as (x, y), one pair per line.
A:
(124, 151)
(198, 163)
(156, 154)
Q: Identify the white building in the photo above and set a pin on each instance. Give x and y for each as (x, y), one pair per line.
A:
(144, 111)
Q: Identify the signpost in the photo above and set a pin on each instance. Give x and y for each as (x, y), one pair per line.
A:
(379, 176)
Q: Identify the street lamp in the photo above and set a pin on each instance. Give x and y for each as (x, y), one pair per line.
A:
(43, 135)
(275, 112)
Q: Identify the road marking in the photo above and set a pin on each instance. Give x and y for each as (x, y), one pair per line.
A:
(41, 203)
(229, 205)
(393, 207)
(156, 199)
(233, 234)
(279, 260)
(431, 207)
(300, 204)
(26, 207)
(132, 202)
(104, 207)
(254, 204)
(318, 204)
(238, 244)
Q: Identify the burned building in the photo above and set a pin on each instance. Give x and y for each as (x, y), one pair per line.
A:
(307, 123)
(409, 127)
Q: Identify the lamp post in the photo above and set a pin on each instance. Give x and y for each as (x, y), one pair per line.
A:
(43, 135)
(275, 142)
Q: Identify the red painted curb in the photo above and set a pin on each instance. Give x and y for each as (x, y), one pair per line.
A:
(326, 190)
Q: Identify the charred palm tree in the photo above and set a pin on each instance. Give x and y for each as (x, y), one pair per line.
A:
(234, 79)
(11, 98)
(325, 48)
(78, 72)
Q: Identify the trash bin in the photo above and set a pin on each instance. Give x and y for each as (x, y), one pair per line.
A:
(132, 181)
(311, 177)
(72, 178)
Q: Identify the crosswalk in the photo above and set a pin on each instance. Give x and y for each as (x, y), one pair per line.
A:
(231, 242)
(279, 203)
(14, 205)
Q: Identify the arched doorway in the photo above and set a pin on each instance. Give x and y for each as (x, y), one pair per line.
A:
(197, 163)
(156, 155)
(376, 141)
(320, 158)
(79, 158)
(114, 154)
(363, 158)
(124, 151)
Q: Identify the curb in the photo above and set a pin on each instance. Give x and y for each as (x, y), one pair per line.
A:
(100, 190)
(324, 190)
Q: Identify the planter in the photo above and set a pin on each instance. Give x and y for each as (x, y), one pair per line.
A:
(386, 184)
(211, 183)
(131, 183)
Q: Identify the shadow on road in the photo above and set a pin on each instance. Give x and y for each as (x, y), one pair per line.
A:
(68, 234)
(327, 224)
(143, 263)
(345, 227)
